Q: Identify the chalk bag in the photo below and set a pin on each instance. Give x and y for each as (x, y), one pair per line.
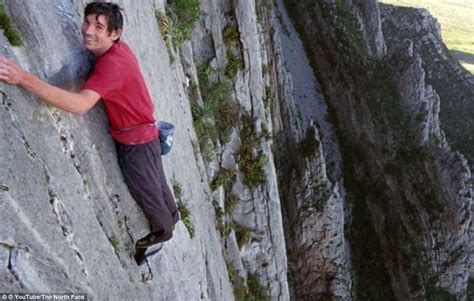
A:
(167, 131)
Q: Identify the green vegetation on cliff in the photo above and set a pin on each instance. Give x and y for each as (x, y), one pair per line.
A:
(7, 27)
(178, 20)
(252, 161)
(387, 174)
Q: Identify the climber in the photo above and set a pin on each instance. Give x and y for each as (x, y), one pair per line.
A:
(118, 81)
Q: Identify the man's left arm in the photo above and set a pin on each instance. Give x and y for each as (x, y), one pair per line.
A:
(76, 103)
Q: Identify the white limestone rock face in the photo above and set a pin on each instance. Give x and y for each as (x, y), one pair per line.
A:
(441, 86)
(452, 83)
(368, 16)
(263, 216)
(258, 209)
(424, 203)
(312, 196)
(419, 99)
(69, 223)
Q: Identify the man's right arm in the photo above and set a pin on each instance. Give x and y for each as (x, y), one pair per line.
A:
(76, 103)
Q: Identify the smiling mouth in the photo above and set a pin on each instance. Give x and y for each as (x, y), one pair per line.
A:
(88, 40)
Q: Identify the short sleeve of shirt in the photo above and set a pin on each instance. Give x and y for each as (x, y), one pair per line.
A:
(106, 80)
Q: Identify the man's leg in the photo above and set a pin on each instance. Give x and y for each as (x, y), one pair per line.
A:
(142, 171)
(167, 195)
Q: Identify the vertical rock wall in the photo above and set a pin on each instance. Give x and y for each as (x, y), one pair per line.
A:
(68, 222)
(257, 213)
(389, 216)
(410, 194)
(309, 167)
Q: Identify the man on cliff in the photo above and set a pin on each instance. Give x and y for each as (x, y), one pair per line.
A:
(118, 81)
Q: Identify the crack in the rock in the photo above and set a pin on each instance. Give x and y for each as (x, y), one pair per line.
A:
(60, 213)
(66, 226)
(8, 107)
(12, 254)
(6, 245)
(150, 278)
(4, 187)
(28, 148)
(68, 149)
(272, 243)
(67, 143)
(57, 207)
(66, 140)
(116, 202)
(6, 103)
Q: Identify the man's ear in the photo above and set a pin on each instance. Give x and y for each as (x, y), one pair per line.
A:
(116, 34)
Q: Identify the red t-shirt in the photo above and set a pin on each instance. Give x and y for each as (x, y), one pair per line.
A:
(119, 82)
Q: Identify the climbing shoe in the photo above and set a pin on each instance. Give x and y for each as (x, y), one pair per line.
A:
(141, 254)
(147, 241)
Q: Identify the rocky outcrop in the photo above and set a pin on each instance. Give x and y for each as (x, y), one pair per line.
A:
(392, 145)
(250, 205)
(452, 83)
(309, 167)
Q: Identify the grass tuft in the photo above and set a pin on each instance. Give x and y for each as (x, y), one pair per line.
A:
(215, 117)
(231, 36)
(186, 218)
(177, 21)
(8, 30)
(177, 190)
(225, 177)
(230, 202)
(251, 163)
(256, 290)
(115, 244)
(243, 235)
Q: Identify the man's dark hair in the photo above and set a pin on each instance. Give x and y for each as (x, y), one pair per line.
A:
(111, 11)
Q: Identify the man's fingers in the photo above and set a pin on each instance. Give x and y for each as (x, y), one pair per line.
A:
(10, 71)
(4, 78)
(6, 62)
(3, 66)
(6, 75)
(4, 71)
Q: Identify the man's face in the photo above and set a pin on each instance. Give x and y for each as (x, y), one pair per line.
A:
(95, 34)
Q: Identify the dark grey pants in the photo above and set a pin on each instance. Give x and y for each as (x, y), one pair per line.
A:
(142, 170)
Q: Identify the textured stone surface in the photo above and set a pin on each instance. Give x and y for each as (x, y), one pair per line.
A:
(452, 83)
(257, 209)
(81, 204)
(402, 231)
(409, 192)
(64, 201)
(313, 205)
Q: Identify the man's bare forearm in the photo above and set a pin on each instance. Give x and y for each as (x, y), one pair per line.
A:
(76, 103)
(65, 100)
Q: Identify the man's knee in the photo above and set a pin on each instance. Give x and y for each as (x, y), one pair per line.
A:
(163, 232)
(167, 234)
